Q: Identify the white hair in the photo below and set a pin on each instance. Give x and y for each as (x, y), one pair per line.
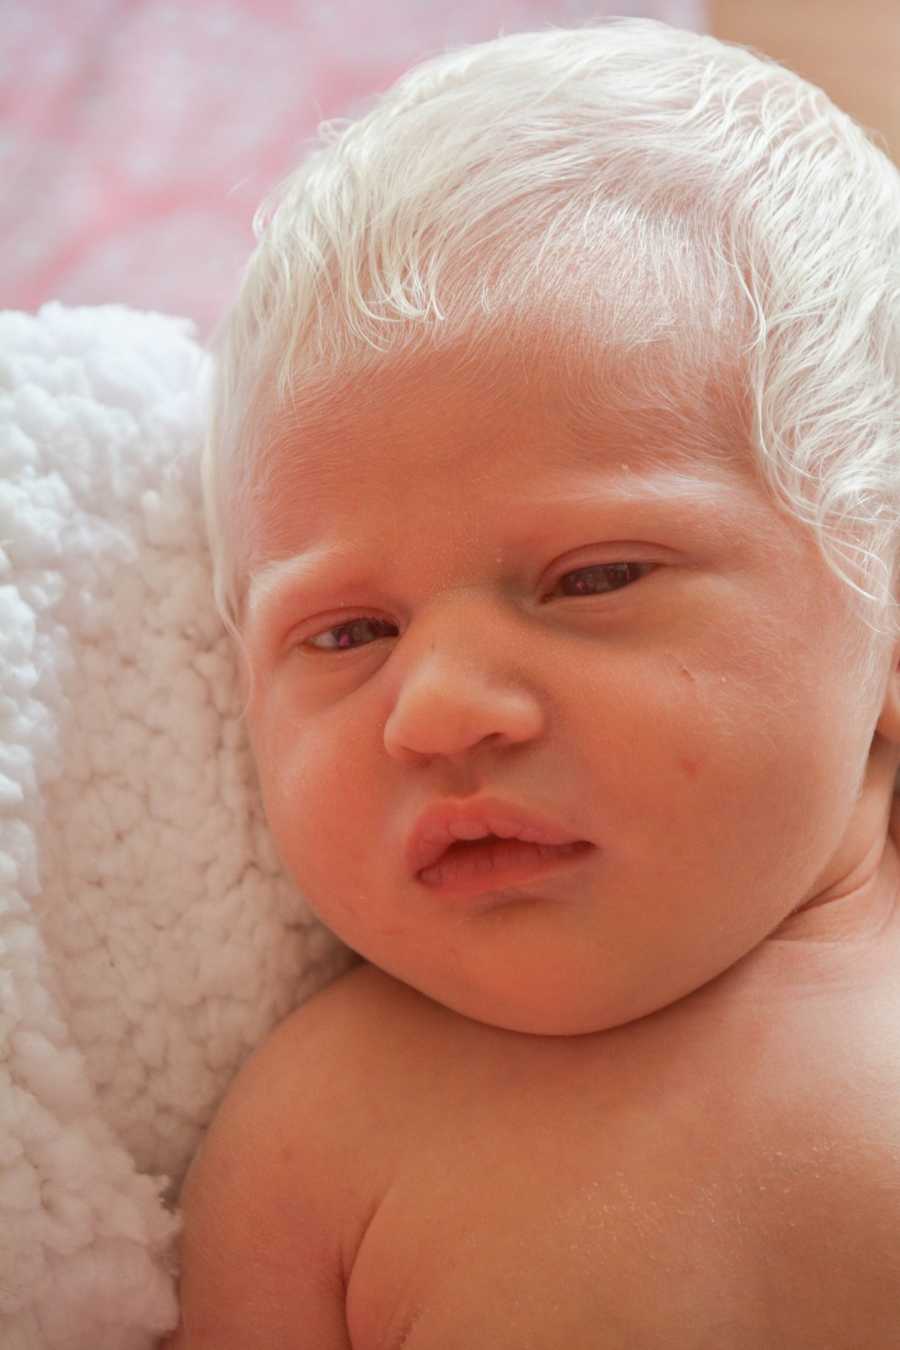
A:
(698, 195)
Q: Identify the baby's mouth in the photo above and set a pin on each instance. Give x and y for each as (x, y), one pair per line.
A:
(470, 866)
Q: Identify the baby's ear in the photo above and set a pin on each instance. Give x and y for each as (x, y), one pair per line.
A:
(888, 724)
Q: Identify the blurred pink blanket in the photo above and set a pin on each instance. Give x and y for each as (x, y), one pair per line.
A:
(138, 136)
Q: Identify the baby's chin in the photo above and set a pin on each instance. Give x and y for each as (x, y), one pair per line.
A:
(532, 1011)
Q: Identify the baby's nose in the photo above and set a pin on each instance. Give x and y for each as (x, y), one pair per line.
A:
(443, 710)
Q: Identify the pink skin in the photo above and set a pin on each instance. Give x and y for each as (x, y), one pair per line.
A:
(701, 725)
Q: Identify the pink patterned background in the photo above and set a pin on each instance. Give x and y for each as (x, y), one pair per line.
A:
(138, 136)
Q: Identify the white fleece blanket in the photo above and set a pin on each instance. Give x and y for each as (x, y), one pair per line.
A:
(148, 939)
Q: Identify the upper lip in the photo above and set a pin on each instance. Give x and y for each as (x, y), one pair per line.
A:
(444, 822)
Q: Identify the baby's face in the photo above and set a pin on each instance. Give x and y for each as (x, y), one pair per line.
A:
(481, 596)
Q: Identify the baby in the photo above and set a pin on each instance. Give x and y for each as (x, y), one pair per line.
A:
(553, 490)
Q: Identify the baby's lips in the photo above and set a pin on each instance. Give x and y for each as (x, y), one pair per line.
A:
(445, 822)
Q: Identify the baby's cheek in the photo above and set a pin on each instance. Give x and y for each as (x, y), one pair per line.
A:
(319, 807)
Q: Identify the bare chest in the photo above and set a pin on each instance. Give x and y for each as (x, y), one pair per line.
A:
(470, 1249)
(638, 1201)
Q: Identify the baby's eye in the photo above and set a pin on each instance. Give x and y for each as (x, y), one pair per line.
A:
(594, 580)
(347, 633)
(602, 577)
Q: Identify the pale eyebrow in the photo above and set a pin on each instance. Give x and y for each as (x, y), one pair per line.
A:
(269, 579)
(671, 484)
(674, 490)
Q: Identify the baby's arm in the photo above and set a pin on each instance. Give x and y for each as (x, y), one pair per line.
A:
(266, 1204)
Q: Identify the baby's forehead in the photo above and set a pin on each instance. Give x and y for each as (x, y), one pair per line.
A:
(670, 394)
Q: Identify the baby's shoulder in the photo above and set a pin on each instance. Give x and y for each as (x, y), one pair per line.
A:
(341, 1076)
(330, 1071)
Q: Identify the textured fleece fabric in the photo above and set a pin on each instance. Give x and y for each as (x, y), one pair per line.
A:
(148, 937)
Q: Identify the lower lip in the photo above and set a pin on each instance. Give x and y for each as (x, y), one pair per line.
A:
(503, 862)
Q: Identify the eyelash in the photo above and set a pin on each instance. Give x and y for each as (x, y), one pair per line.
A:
(641, 568)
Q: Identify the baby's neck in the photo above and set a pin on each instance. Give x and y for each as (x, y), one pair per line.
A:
(844, 939)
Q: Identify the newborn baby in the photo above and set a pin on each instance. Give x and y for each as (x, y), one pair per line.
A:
(553, 485)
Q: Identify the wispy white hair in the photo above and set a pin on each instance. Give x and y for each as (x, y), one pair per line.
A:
(678, 192)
